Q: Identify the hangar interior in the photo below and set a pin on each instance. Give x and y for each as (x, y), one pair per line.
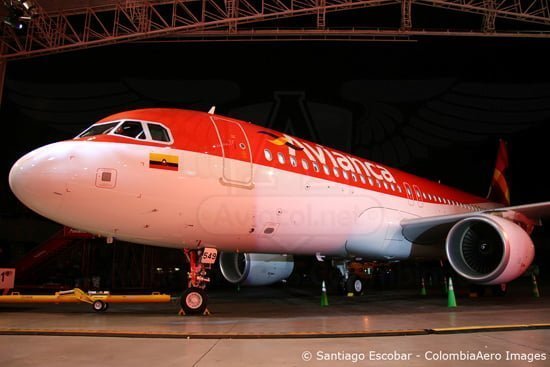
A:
(403, 101)
(428, 87)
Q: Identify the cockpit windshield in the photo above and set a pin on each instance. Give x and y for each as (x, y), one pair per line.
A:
(131, 129)
(141, 130)
(99, 129)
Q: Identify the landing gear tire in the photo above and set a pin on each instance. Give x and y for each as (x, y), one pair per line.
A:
(193, 301)
(354, 285)
(100, 306)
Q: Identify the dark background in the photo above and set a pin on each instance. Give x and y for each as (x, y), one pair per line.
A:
(435, 108)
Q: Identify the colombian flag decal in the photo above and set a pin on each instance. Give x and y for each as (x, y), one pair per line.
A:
(163, 161)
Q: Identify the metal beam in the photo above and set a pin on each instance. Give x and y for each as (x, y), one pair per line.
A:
(490, 16)
(321, 14)
(3, 66)
(406, 16)
(340, 35)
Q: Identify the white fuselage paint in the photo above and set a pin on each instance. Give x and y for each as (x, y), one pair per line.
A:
(283, 212)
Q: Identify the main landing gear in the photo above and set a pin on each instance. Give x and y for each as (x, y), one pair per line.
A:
(349, 283)
(194, 300)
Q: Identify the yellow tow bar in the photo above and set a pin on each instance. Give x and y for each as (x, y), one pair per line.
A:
(99, 300)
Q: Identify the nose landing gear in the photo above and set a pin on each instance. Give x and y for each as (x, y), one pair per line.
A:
(194, 299)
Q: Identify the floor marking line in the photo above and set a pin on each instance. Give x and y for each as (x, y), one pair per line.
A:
(291, 335)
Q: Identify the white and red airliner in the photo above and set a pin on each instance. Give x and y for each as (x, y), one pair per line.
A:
(207, 183)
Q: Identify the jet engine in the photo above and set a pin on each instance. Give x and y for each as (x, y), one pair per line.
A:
(255, 269)
(487, 249)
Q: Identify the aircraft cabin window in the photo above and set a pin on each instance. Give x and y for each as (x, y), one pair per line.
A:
(385, 185)
(268, 155)
(336, 172)
(354, 177)
(326, 169)
(346, 176)
(392, 187)
(98, 129)
(281, 158)
(362, 178)
(315, 166)
(158, 132)
(293, 161)
(370, 181)
(399, 188)
(131, 129)
(304, 164)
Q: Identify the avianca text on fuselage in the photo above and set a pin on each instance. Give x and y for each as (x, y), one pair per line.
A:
(318, 153)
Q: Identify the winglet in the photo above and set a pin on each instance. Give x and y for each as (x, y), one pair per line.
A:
(212, 110)
(499, 191)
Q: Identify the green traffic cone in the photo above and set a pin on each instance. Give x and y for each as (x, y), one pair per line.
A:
(423, 289)
(451, 300)
(536, 293)
(324, 298)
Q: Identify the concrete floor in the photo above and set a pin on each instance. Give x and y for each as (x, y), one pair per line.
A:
(282, 327)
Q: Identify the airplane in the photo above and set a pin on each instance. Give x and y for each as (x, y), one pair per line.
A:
(220, 188)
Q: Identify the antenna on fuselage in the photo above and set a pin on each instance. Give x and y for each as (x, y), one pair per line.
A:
(212, 110)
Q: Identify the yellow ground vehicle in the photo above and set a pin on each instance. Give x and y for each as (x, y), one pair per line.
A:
(99, 300)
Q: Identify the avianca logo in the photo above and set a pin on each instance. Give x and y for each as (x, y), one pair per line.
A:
(318, 153)
(280, 140)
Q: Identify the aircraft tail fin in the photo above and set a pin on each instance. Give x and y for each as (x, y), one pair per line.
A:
(499, 191)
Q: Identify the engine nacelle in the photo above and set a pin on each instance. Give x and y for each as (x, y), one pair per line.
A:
(255, 269)
(489, 250)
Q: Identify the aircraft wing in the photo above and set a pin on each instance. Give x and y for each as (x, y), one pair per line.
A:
(433, 230)
(535, 212)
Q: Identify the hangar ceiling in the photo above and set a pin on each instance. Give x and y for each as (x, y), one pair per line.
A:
(67, 5)
(57, 25)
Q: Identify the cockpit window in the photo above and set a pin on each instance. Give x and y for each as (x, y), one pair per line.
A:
(132, 129)
(99, 129)
(135, 129)
(158, 132)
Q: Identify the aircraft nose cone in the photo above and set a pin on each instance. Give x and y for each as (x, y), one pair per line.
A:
(37, 179)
